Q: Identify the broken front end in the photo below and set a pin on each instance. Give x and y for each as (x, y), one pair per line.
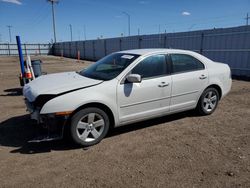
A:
(53, 124)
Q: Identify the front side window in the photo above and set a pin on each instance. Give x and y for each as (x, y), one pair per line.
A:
(151, 67)
(109, 67)
(185, 63)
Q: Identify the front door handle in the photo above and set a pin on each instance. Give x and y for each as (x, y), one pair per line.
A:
(202, 77)
(163, 84)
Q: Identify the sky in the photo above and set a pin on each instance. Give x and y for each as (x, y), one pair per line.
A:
(32, 19)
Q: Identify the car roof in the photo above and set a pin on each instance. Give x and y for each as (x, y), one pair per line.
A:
(154, 50)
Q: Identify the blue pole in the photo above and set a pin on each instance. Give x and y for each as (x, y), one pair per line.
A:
(20, 55)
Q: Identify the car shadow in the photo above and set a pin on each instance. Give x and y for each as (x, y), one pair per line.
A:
(17, 131)
(13, 92)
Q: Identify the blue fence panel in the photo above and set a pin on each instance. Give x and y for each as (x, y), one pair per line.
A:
(230, 45)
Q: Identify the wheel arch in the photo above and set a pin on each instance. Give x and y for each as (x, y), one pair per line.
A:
(217, 87)
(101, 106)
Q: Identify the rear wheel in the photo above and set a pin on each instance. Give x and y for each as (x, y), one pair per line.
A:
(89, 126)
(208, 101)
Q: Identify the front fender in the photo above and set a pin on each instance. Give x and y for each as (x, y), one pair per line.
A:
(73, 100)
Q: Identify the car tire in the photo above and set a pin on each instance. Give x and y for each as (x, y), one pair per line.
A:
(208, 101)
(89, 126)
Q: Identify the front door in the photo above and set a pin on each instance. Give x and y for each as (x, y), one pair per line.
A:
(149, 98)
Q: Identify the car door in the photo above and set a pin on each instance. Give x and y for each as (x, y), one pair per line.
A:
(189, 78)
(149, 98)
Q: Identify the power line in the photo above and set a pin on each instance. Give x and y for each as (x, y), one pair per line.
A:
(9, 26)
(53, 16)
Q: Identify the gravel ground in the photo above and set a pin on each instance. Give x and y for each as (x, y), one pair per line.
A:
(182, 150)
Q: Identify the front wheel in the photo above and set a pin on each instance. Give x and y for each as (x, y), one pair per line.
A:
(89, 126)
(208, 101)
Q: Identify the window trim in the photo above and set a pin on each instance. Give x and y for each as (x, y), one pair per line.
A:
(166, 62)
(171, 64)
(139, 60)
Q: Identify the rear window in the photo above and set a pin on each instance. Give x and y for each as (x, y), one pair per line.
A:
(185, 63)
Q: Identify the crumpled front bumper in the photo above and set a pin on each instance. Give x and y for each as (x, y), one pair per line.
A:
(52, 124)
(34, 113)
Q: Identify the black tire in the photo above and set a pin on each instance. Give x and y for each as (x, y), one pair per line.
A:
(201, 109)
(83, 115)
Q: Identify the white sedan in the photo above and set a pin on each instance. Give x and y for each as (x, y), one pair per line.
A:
(123, 88)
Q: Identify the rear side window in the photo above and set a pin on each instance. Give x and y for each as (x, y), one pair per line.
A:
(152, 66)
(185, 63)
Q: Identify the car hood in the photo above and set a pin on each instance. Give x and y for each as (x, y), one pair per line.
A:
(54, 84)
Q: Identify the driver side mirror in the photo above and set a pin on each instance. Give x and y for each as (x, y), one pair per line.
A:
(134, 78)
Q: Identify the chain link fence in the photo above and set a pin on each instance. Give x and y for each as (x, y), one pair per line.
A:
(7, 49)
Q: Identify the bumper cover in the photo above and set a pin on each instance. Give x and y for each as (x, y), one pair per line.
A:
(53, 127)
(52, 124)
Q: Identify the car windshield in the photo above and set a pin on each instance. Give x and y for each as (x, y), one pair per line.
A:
(109, 67)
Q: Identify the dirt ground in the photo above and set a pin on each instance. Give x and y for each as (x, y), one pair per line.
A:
(181, 150)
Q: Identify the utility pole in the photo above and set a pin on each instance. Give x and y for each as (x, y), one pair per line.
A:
(9, 26)
(159, 29)
(53, 16)
(247, 18)
(79, 35)
(138, 31)
(70, 28)
(128, 21)
(84, 30)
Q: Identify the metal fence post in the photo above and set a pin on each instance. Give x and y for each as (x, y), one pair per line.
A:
(39, 49)
(201, 45)
(105, 47)
(9, 48)
(120, 44)
(165, 41)
(70, 50)
(49, 50)
(77, 54)
(139, 42)
(25, 49)
(93, 45)
(84, 51)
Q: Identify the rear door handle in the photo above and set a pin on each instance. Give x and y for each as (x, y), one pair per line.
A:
(202, 77)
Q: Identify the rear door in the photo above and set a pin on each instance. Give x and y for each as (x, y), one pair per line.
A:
(189, 78)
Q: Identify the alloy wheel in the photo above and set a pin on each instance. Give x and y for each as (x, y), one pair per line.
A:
(210, 100)
(90, 127)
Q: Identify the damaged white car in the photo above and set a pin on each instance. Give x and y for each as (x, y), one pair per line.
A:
(123, 88)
